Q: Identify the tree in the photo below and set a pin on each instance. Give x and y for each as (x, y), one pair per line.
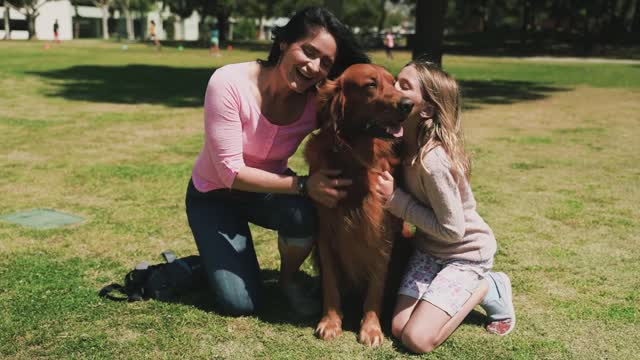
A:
(30, 9)
(288, 7)
(184, 9)
(127, 6)
(104, 6)
(257, 9)
(635, 22)
(7, 23)
(336, 7)
(181, 8)
(430, 15)
(383, 14)
(360, 13)
(223, 10)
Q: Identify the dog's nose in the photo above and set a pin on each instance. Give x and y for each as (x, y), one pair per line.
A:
(405, 105)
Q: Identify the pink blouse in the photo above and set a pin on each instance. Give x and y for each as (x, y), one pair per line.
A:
(238, 135)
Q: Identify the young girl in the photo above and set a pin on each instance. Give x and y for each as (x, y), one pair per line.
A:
(454, 246)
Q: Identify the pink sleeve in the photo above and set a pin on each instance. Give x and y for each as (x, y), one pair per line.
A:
(223, 128)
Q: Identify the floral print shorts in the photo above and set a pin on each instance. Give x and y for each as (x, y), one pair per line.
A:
(447, 284)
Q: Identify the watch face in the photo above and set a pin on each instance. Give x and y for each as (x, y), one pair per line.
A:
(302, 185)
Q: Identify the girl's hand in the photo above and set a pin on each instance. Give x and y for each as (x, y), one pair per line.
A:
(385, 185)
(324, 188)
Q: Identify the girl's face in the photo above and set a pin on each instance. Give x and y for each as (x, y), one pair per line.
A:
(308, 60)
(409, 84)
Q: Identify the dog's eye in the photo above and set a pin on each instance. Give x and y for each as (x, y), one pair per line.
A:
(371, 85)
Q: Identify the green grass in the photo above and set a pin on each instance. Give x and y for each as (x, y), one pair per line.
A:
(89, 129)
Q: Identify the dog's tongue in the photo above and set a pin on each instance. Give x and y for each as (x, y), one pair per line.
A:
(395, 131)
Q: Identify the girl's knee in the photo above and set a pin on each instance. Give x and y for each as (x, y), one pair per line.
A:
(397, 327)
(419, 342)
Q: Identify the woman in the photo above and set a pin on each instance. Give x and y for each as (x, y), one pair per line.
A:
(256, 115)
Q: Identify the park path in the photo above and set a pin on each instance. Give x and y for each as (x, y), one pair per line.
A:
(578, 59)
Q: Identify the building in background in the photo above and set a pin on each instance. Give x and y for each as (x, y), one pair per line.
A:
(86, 22)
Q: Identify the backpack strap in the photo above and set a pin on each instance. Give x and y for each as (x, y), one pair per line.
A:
(106, 292)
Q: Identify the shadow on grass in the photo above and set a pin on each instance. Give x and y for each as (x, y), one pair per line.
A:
(185, 87)
(276, 309)
(131, 84)
(503, 92)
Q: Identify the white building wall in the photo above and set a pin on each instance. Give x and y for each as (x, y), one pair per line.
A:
(191, 27)
(13, 14)
(64, 12)
(89, 12)
(157, 17)
(49, 12)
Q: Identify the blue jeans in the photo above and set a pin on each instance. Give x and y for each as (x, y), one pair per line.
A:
(219, 220)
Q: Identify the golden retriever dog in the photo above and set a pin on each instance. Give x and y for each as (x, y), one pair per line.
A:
(360, 116)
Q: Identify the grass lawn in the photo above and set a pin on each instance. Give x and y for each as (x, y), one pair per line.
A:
(110, 135)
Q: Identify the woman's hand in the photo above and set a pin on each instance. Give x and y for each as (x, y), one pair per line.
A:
(323, 188)
(385, 185)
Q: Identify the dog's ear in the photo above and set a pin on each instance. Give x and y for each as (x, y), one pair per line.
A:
(330, 105)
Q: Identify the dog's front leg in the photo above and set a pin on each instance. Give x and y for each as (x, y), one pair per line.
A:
(330, 326)
(370, 329)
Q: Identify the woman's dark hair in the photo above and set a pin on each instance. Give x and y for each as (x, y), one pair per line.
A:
(308, 19)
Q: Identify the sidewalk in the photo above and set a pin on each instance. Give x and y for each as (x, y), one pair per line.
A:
(578, 59)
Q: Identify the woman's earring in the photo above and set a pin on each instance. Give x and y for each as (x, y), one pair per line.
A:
(283, 47)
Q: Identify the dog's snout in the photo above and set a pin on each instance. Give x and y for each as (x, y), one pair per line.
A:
(405, 105)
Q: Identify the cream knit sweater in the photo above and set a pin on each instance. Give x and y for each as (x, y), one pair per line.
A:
(443, 210)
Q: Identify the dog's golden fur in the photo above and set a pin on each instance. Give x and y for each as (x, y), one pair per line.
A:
(355, 238)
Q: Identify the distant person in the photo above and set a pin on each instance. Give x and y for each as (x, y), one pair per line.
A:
(215, 43)
(153, 36)
(389, 44)
(56, 28)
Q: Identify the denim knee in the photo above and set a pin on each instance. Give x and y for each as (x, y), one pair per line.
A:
(299, 218)
(233, 295)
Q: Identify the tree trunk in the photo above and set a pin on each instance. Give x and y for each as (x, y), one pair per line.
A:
(526, 21)
(261, 35)
(7, 23)
(223, 27)
(427, 42)
(383, 15)
(485, 10)
(31, 21)
(203, 32)
(129, 21)
(635, 23)
(105, 21)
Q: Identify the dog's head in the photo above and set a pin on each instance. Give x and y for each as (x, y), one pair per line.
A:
(363, 100)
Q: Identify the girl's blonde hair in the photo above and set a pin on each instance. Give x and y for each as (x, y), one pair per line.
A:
(445, 128)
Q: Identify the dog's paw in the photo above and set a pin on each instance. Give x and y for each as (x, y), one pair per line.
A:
(329, 328)
(371, 336)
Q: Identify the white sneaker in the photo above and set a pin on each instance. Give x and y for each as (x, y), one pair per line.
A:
(500, 312)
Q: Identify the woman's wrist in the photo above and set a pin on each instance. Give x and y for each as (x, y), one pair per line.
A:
(301, 185)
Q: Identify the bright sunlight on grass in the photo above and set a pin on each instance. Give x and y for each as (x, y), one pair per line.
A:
(110, 135)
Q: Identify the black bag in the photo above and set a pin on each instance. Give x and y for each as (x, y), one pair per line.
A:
(164, 282)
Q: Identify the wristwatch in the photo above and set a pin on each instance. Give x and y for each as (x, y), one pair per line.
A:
(301, 185)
